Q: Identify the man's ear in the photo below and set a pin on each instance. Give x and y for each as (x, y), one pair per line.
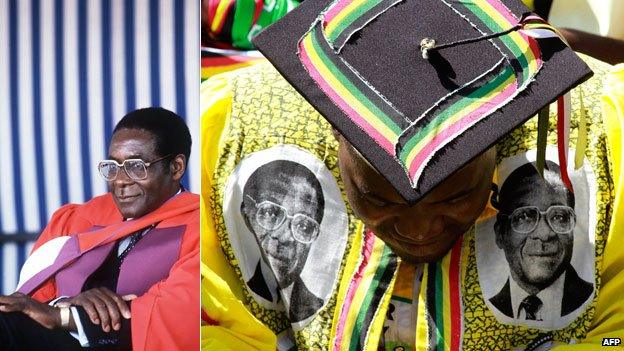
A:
(178, 166)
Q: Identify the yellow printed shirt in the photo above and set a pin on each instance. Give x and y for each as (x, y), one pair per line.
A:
(252, 120)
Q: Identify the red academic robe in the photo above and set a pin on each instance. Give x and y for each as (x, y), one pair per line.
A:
(165, 317)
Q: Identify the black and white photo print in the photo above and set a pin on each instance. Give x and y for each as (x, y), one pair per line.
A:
(535, 257)
(287, 224)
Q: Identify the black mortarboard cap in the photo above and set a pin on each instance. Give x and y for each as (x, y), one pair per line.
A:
(421, 87)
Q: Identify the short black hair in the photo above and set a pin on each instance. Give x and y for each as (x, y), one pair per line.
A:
(287, 172)
(525, 175)
(172, 134)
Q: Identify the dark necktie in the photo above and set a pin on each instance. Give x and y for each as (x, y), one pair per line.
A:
(531, 305)
(134, 238)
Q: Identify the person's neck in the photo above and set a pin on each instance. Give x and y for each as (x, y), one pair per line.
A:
(533, 289)
(175, 191)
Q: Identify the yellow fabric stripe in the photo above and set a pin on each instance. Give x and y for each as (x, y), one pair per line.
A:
(422, 326)
(404, 287)
(529, 4)
(581, 140)
(376, 328)
(220, 14)
(362, 290)
(207, 72)
(350, 268)
(613, 107)
(331, 26)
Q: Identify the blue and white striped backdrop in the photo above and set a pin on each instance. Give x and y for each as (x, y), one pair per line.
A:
(69, 70)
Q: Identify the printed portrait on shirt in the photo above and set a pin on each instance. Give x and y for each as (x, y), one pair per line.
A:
(288, 226)
(535, 257)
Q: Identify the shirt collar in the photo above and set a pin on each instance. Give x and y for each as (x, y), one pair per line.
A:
(551, 298)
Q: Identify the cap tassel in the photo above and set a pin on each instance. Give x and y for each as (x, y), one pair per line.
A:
(542, 136)
(530, 24)
(428, 44)
(563, 135)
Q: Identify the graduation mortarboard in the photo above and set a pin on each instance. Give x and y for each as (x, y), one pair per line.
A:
(421, 87)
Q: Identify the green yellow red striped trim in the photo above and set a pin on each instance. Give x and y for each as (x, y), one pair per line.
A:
(442, 302)
(369, 285)
(346, 17)
(355, 98)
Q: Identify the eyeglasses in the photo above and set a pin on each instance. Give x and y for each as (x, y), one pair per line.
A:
(561, 219)
(135, 168)
(271, 216)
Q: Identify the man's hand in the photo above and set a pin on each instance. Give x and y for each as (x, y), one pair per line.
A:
(42, 313)
(103, 306)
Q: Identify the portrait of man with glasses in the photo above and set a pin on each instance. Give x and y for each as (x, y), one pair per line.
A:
(283, 207)
(119, 270)
(535, 228)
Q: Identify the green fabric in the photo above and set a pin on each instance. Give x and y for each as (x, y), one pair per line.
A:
(542, 135)
(581, 144)
(243, 32)
(243, 18)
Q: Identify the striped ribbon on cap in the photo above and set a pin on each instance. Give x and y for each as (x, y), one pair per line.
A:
(414, 142)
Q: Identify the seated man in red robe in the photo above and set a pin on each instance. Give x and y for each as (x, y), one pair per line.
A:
(119, 272)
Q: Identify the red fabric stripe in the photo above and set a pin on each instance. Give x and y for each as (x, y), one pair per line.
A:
(454, 273)
(561, 147)
(257, 12)
(207, 320)
(226, 13)
(212, 8)
(369, 242)
(537, 53)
